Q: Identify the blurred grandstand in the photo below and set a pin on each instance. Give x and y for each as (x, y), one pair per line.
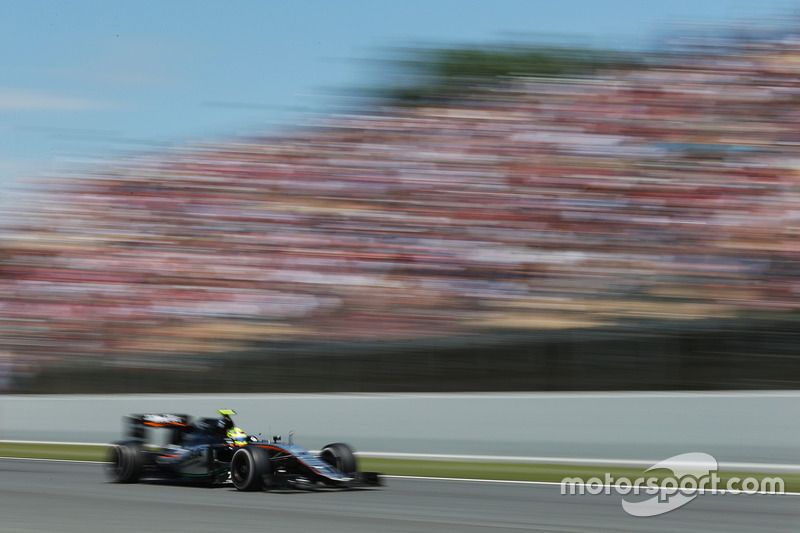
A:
(629, 195)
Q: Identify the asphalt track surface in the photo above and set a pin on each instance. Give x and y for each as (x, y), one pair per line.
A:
(47, 496)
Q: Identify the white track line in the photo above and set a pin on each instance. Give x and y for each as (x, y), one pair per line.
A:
(551, 483)
(584, 461)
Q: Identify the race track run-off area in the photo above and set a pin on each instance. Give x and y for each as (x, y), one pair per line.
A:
(47, 496)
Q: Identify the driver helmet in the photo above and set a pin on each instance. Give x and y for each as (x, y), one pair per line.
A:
(237, 436)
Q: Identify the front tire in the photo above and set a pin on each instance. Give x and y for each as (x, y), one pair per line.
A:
(249, 465)
(340, 456)
(125, 460)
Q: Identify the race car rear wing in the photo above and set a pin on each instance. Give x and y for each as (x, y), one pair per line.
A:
(136, 424)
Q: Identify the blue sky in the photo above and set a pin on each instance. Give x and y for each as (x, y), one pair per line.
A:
(81, 78)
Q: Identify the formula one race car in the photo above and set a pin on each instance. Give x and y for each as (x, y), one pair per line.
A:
(213, 450)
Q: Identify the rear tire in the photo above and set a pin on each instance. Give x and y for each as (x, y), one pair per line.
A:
(125, 460)
(340, 456)
(249, 465)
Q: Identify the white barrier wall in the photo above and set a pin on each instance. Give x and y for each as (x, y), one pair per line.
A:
(734, 427)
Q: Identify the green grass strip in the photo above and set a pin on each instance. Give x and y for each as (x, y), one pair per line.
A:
(423, 468)
(73, 452)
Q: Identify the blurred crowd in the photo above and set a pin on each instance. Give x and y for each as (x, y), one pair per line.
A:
(665, 191)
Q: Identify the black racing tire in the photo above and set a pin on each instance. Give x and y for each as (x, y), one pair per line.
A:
(249, 465)
(125, 460)
(340, 456)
